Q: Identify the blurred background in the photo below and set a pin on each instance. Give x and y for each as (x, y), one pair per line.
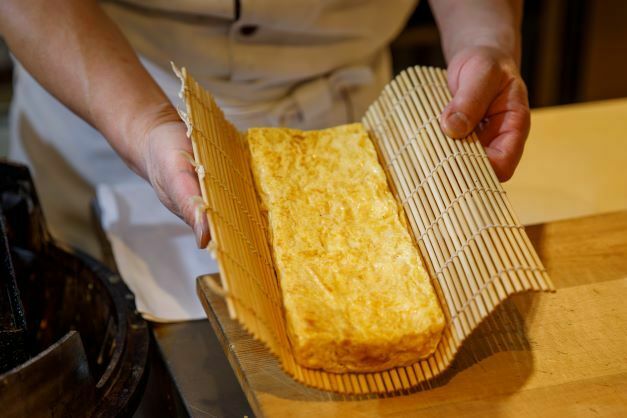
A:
(5, 95)
(573, 51)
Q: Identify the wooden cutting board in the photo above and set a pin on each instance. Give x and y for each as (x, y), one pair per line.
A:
(540, 355)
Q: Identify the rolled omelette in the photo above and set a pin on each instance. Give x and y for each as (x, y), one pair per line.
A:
(356, 295)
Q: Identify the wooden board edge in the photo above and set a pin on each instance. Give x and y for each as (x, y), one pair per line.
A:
(202, 290)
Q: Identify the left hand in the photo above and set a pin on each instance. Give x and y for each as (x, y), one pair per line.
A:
(489, 96)
(161, 157)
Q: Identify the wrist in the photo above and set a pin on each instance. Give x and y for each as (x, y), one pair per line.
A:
(499, 47)
(503, 42)
(485, 56)
(139, 131)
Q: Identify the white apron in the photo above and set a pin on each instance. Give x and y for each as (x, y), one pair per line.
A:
(300, 63)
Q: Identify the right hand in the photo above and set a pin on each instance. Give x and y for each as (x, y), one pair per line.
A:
(489, 95)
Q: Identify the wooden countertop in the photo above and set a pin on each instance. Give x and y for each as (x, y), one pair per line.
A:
(575, 163)
(561, 354)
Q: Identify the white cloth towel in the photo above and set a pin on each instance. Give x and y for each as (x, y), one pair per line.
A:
(155, 252)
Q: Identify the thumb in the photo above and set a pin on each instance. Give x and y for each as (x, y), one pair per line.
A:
(184, 190)
(171, 171)
(475, 85)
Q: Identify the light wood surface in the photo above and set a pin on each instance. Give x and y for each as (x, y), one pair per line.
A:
(574, 163)
(541, 355)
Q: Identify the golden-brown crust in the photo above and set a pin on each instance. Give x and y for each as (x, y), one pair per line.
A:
(355, 293)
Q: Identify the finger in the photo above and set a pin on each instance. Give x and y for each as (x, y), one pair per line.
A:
(486, 131)
(504, 160)
(475, 86)
(505, 130)
(504, 138)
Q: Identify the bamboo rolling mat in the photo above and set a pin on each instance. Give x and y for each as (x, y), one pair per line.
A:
(474, 247)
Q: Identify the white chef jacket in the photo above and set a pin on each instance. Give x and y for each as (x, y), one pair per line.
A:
(299, 63)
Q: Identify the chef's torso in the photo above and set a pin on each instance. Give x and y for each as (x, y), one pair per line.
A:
(269, 62)
(300, 63)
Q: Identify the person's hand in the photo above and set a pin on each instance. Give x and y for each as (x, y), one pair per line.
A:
(165, 151)
(490, 96)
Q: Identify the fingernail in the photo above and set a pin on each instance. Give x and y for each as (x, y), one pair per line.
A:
(199, 232)
(200, 224)
(457, 125)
